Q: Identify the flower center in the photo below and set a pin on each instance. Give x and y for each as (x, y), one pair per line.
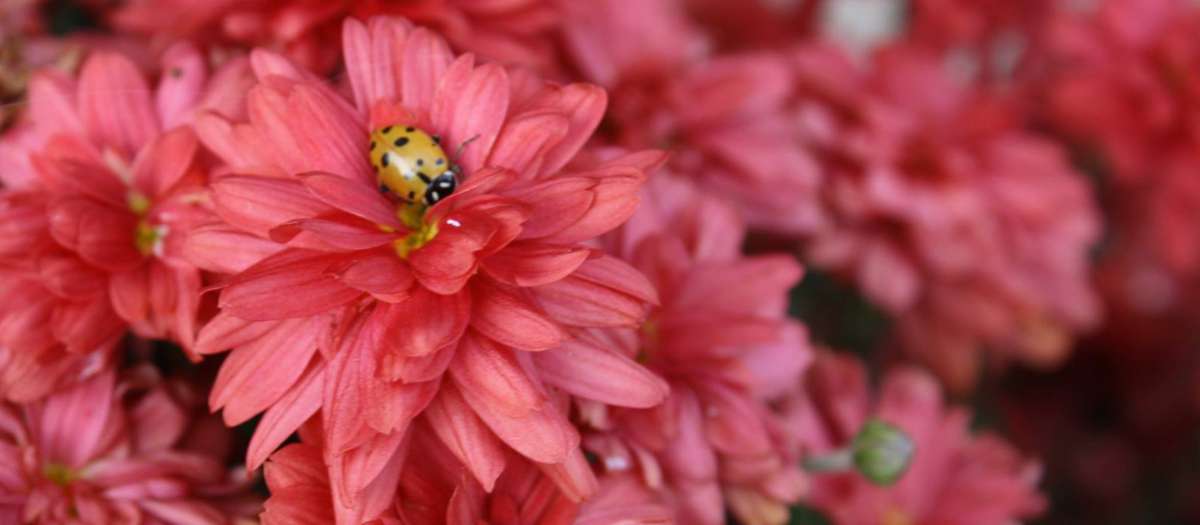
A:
(420, 232)
(147, 237)
(59, 474)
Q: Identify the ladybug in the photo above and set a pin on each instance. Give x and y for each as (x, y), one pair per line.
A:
(411, 164)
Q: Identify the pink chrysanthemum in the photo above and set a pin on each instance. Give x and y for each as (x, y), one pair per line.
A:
(435, 488)
(722, 339)
(954, 478)
(101, 182)
(514, 32)
(459, 320)
(967, 229)
(727, 119)
(103, 451)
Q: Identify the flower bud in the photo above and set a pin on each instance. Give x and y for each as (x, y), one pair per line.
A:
(882, 452)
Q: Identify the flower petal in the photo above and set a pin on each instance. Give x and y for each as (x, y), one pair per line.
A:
(166, 160)
(257, 204)
(583, 105)
(426, 59)
(114, 103)
(248, 383)
(505, 317)
(471, 104)
(588, 371)
(527, 264)
(490, 374)
(181, 85)
(379, 273)
(352, 197)
(466, 436)
(102, 235)
(286, 415)
(410, 330)
(255, 294)
(370, 62)
(221, 249)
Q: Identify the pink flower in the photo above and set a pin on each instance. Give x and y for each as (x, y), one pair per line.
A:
(459, 319)
(103, 451)
(514, 32)
(105, 184)
(435, 488)
(968, 230)
(727, 118)
(954, 478)
(722, 340)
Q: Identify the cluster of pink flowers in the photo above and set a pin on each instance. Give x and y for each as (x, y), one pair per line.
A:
(592, 324)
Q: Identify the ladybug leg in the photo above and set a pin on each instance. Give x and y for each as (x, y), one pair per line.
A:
(458, 152)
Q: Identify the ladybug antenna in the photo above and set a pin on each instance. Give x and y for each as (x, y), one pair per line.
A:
(458, 152)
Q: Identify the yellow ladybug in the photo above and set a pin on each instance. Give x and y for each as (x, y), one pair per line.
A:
(411, 164)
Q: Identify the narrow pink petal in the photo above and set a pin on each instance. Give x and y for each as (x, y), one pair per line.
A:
(561, 202)
(504, 316)
(736, 423)
(526, 140)
(615, 200)
(337, 232)
(527, 264)
(268, 63)
(102, 235)
(70, 277)
(416, 369)
(362, 200)
(689, 455)
(588, 371)
(248, 382)
(364, 480)
(379, 273)
(471, 103)
(288, 413)
(542, 435)
(257, 204)
(487, 372)
(64, 170)
(412, 332)
(370, 59)
(72, 422)
(589, 297)
(255, 294)
(394, 404)
(52, 102)
(426, 60)
(115, 103)
(158, 421)
(219, 248)
(751, 285)
(574, 477)
(295, 465)
(130, 294)
(183, 80)
(457, 426)
(305, 505)
(166, 160)
(583, 105)
(226, 331)
(347, 387)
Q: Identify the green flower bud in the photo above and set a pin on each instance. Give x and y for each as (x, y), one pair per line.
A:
(882, 452)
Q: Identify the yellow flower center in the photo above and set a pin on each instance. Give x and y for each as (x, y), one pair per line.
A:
(420, 232)
(59, 474)
(147, 237)
(138, 203)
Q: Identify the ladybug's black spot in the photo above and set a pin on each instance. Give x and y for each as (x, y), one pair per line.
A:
(383, 188)
(440, 162)
(385, 160)
(373, 145)
(437, 140)
(411, 195)
(420, 162)
(424, 178)
(401, 142)
(410, 129)
(387, 130)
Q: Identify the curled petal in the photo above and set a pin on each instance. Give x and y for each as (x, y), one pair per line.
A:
(588, 371)
(527, 264)
(114, 103)
(505, 317)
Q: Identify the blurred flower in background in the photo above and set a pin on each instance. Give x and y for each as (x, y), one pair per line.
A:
(761, 262)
